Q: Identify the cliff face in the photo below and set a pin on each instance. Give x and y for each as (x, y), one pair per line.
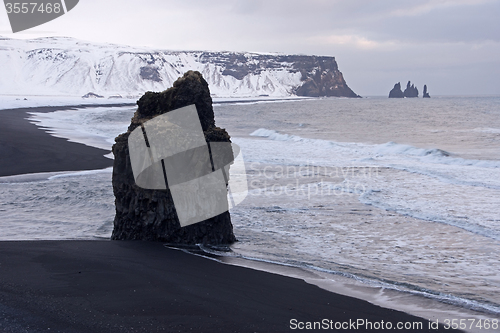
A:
(321, 77)
(69, 66)
(143, 214)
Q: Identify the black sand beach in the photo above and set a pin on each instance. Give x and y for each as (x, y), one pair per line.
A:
(118, 286)
(25, 148)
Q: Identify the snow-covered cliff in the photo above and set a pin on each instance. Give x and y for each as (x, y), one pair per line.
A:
(69, 66)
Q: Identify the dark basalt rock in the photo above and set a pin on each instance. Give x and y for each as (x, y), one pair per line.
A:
(396, 92)
(410, 91)
(150, 215)
(426, 94)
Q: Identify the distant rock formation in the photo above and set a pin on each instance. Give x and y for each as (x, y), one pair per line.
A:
(92, 95)
(143, 214)
(396, 92)
(426, 94)
(410, 91)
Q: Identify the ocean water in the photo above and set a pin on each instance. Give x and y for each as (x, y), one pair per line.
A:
(398, 194)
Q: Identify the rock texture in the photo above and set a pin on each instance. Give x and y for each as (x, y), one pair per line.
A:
(411, 90)
(426, 94)
(396, 92)
(143, 214)
(320, 76)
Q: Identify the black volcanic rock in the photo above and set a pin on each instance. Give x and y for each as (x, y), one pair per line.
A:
(426, 94)
(396, 92)
(143, 214)
(410, 91)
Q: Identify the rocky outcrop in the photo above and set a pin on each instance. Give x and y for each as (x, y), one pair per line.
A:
(321, 77)
(426, 94)
(143, 214)
(92, 95)
(396, 92)
(410, 91)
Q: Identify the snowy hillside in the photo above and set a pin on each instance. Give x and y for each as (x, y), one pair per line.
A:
(68, 66)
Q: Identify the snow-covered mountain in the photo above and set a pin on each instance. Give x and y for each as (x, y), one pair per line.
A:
(67, 66)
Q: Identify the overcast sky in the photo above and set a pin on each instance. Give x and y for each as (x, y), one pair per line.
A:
(453, 46)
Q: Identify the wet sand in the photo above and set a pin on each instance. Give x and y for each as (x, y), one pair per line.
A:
(117, 286)
(25, 148)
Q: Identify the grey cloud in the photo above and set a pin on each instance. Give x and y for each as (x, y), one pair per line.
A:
(456, 24)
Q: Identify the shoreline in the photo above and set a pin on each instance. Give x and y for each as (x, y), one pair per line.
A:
(70, 146)
(398, 300)
(119, 286)
(25, 148)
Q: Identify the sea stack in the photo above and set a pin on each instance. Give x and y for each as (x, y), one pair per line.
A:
(426, 94)
(410, 91)
(143, 214)
(396, 92)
